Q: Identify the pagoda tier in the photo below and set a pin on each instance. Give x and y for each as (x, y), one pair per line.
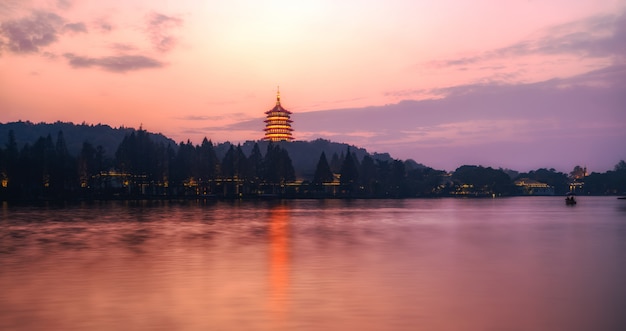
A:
(278, 123)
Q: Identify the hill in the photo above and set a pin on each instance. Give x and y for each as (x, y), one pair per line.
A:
(75, 134)
(304, 154)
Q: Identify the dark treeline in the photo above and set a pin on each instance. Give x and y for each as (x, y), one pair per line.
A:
(143, 168)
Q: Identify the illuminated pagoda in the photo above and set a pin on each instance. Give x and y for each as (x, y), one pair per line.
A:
(278, 123)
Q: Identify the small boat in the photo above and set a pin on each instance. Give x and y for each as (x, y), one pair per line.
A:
(569, 199)
(622, 198)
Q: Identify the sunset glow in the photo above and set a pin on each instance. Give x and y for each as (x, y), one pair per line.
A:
(505, 84)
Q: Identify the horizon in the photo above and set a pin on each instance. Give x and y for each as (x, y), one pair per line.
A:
(516, 86)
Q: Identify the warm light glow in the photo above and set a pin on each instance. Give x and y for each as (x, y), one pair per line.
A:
(279, 260)
(278, 123)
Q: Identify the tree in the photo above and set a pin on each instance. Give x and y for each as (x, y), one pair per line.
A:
(558, 180)
(578, 172)
(425, 181)
(277, 165)
(136, 155)
(335, 162)
(234, 163)
(483, 180)
(349, 172)
(9, 164)
(86, 163)
(162, 163)
(184, 164)
(322, 171)
(62, 172)
(207, 160)
(11, 157)
(367, 174)
(397, 183)
(255, 163)
(102, 162)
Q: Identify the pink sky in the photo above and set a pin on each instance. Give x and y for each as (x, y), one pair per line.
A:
(191, 69)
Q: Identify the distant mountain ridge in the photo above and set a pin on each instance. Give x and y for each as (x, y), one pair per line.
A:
(75, 134)
(304, 154)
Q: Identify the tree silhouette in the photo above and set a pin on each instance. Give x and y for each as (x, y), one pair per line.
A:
(9, 167)
(277, 165)
(234, 163)
(255, 164)
(558, 180)
(87, 166)
(367, 175)
(207, 160)
(578, 172)
(322, 171)
(335, 162)
(483, 180)
(348, 173)
(184, 165)
(62, 172)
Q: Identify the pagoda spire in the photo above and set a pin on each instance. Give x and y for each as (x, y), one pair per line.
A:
(278, 95)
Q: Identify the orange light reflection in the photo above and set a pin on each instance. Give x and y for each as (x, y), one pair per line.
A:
(279, 261)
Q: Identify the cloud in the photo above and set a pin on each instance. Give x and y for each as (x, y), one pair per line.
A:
(75, 27)
(122, 63)
(64, 4)
(598, 36)
(230, 116)
(122, 47)
(9, 8)
(200, 118)
(103, 25)
(158, 30)
(30, 34)
(556, 123)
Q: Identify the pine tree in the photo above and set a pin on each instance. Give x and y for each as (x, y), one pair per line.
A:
(86, 163)
(234, 163)
(11, 156)
(277, 165)
(207, 160)
(367, 174)
(322, 171)
(335, 163)
(62, 169)
(349, 172)
(255, 163)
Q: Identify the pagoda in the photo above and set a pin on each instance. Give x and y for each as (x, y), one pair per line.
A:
(278, 123)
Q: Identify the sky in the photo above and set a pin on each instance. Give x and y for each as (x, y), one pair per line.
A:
(512, 84)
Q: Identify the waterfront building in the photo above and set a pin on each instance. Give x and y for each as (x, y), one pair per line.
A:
(278, 123)
(532, 187)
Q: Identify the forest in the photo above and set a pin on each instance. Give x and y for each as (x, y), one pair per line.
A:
(142, 167)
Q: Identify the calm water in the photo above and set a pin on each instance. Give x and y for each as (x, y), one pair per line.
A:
(442, 264)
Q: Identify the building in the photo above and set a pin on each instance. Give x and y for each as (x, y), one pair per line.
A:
(532, 187)
(278, 123)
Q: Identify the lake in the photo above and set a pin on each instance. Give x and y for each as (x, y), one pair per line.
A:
(523, 263)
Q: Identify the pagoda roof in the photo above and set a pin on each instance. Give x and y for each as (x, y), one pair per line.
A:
(278, 108)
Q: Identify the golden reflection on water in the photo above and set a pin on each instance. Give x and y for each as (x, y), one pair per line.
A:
(279, 261)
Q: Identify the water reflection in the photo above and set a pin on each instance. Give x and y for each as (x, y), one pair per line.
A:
(279, 260)
(441, 264)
